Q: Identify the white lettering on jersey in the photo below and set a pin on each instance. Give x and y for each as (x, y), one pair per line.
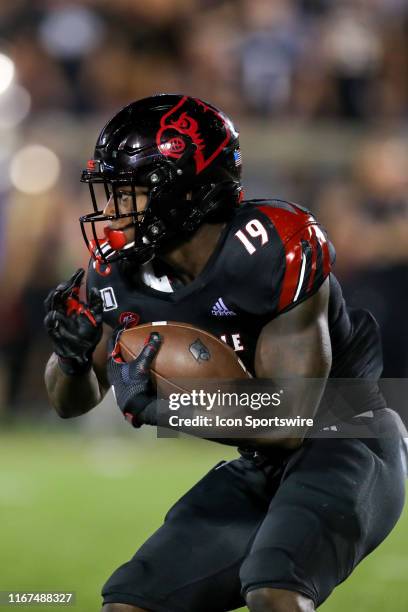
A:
(249, 247)
(109, 299)
(235, 341)
(255, 229)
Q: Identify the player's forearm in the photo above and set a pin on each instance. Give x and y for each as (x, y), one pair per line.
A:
(300, 399)
(71, 396)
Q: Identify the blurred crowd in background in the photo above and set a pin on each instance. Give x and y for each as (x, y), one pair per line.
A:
(318, 88)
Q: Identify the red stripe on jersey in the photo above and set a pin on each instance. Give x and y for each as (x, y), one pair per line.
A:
(287, 223)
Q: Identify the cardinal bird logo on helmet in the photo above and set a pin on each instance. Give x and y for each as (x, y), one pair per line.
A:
(184, 120)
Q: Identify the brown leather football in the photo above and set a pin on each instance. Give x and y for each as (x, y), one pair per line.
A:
(186, 352)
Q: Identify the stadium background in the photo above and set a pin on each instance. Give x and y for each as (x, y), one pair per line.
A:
(319, 90)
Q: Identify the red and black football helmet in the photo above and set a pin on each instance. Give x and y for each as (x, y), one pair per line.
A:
(184, 151)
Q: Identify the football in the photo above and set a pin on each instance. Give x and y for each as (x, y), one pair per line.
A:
(186, 352)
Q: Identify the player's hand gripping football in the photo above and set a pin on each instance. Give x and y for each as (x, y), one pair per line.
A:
(131, 381)
(74, 327)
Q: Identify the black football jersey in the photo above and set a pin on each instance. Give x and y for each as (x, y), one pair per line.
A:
(270, 257)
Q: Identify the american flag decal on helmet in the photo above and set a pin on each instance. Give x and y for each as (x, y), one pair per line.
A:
(237, 157)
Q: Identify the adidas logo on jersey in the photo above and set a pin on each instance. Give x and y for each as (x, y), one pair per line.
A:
(221, 310)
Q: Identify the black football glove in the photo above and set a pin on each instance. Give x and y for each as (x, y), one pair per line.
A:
(74, 327)
(131, 381)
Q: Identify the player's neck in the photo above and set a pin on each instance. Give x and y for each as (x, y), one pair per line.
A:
(191, 257)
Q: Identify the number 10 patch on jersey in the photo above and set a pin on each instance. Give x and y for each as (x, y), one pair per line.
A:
(109, 299)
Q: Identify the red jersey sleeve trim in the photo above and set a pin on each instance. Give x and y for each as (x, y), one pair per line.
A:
(303, 275)
(307, 256)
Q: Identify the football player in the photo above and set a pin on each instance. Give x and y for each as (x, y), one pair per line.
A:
(279, 527)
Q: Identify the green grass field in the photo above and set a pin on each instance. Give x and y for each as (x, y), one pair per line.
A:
(74, 506)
